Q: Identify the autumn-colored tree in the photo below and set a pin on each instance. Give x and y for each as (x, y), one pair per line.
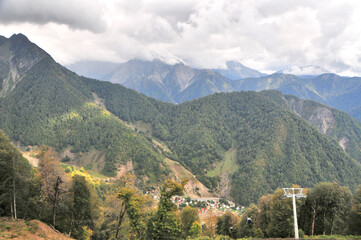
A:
(165, 224)
(114, 223)
(188, 216)
(54, 181)
(195, 230)
(133, 206)
(210, 225)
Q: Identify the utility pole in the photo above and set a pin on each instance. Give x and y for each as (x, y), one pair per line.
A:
(294, 193)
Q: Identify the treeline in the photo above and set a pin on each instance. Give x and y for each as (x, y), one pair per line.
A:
(328, 209)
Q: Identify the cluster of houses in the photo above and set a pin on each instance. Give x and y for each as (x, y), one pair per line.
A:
(217, 206)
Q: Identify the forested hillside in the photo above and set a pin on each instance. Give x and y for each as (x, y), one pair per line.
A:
(273, 147)
(52, 106)
(241, 145)
(338, 125)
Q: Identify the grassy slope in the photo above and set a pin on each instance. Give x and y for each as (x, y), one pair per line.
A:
(229, 164)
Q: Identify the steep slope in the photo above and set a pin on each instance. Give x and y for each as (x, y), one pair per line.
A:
(274, 147)
(17, 56)
(53, 106)
(203, 83)
(236, 70)
(339, 126)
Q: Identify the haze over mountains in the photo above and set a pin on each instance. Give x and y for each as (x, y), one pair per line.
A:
(240, 145)
(180, 83)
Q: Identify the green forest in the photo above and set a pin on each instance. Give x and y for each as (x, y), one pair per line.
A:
(274, 147)
(84, 209)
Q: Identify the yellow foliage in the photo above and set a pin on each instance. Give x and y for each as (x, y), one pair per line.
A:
(71, 171)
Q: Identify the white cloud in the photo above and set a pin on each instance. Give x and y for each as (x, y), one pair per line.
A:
(78, 14)
(265, 34)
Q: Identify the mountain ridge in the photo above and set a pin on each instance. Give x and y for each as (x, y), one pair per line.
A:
(180, 83)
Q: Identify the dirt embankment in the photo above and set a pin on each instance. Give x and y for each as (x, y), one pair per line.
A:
(194, 188)
(28, 230)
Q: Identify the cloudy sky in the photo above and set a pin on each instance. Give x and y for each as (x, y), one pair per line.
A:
(267, 35)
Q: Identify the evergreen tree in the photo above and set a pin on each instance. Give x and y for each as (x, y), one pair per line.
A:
(82, 212)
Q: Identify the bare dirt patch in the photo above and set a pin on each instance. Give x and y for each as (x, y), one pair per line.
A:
(194, 188)
(32, 160)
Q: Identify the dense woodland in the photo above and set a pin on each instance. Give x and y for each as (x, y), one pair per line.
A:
(274, 146)
(83, 209)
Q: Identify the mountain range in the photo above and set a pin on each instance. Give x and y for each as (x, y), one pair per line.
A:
(240, 145)
(180, 83)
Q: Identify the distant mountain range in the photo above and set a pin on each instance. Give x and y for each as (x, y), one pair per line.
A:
(180, 83)
(241, 145)
(171, 83)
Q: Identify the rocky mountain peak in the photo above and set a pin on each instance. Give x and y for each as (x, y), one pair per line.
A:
(19, 55)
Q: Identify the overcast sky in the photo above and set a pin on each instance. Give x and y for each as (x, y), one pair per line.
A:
(267, 35)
